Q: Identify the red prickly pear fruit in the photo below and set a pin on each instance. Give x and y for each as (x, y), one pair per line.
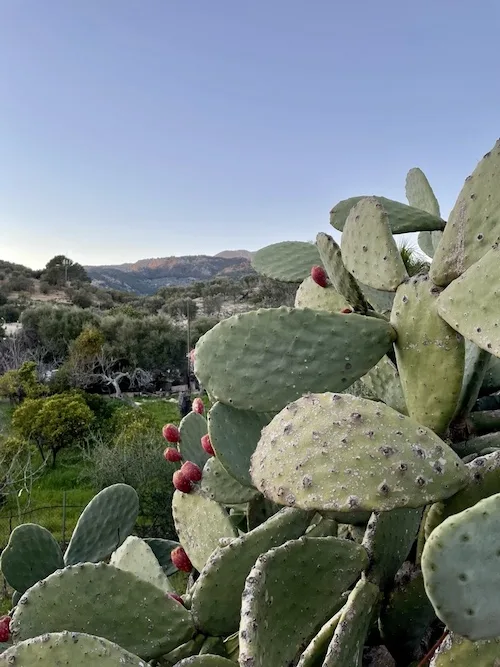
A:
(4, 628)
(172, 454)
(318, 274)
(176, 597)
(346, 310)
(191, 471)
(171, 433)
(181, 560)
(181, 482)
(192, 356)
(198, 406)
(207, 445)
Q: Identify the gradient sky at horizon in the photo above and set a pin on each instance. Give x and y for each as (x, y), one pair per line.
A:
(136, 129)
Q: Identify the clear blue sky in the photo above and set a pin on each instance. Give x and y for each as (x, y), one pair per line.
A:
(148, 128)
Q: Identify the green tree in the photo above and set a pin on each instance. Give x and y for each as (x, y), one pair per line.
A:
(17, 385)
(53, 328)
(61, 270)
(53, 423)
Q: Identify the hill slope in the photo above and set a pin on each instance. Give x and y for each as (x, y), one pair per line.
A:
(147, 275)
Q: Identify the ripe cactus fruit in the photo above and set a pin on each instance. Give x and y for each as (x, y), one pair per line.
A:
(206, 443)
(318, 274)
(171, 433)
(181, 482)
(198, 405)
(172, 454)
(4, 629)
(181, 560)
(191, 471)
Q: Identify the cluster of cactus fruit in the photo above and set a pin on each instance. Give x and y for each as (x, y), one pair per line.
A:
(339, 504)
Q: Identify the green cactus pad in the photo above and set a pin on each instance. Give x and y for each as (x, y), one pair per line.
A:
(234, 435)
(346, 646)
(369, 251)
(192, 429)
(492, 377)
(220, 486)
(342, 453)
(259, 510)
(303, 350)
(162, 550)
(341, 279)
(484, 481)
(315, 653)
(31, 554)
(405, 617)
(78, 598)
(457, 651)
(68, 648)
(205, 661)
(273, 631)
(428, 242)
(429, 353)
(190, 648)
(461, 573)
(402, 218)
(470, 303)
(419, 192)
(215, 606)
(379, 300)
(323, 528)
(290, 261)
(474, 223)
(388, 540)
(200, 523)
(311, 295)
(383, 381)
(103, 525)
(137, 557)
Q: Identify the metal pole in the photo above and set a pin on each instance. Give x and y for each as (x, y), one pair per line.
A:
(188, 357)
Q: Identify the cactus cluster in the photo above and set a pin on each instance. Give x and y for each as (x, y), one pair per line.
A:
(339, 505)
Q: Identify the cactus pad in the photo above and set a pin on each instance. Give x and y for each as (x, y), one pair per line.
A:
(346, 646)
(406, 616)
(220, 486)
(368, 247)
(419, 192)
(314, 654)
(429, 241)
(215, 606)
(311, 295)
(402, 218)
(290, 261)
(474, 223)
(200, 523)
(137, 557)
(383, 381)
(162, 550)
(68, 648)
(192, 429)
(461, 573)
(234, 435)
(484, 481)
(430, 354)
(381, 301)
(470, 303)
(342, 453)
(456, 651)
(272, 631)
(341, 279)
(304, 350)
(101, 600)
(388, 540)
(103, 525)
(31, 554)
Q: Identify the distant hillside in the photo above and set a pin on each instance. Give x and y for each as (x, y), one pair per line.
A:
(146, 276)
(230, 254)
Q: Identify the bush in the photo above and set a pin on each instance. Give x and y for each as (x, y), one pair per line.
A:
(141, 465)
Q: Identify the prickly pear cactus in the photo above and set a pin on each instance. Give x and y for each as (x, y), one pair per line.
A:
(342, 500)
